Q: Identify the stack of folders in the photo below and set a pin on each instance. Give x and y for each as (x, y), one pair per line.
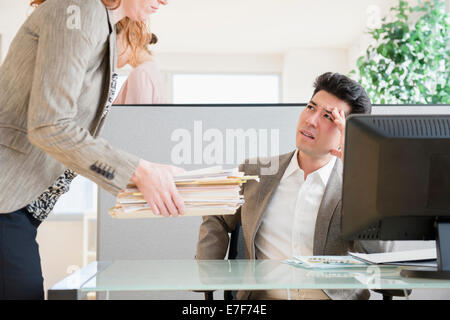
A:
(210, 191)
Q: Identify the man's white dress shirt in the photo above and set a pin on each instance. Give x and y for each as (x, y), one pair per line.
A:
(288, 224)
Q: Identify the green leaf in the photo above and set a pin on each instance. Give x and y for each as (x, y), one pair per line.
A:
(417, 52)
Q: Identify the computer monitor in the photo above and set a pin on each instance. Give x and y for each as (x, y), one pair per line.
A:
(396, 182)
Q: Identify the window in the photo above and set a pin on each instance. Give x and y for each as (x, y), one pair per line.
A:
(226, 88)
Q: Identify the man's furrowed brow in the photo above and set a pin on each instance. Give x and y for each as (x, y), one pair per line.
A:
(316, 105)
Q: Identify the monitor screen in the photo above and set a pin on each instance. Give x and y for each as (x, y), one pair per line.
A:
(396, 182)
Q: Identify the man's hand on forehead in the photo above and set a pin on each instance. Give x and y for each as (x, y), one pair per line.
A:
(339, 120)
(338, 117)
(329, 110)
(336, 113)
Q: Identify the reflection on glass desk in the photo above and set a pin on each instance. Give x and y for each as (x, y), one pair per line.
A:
(160, 275)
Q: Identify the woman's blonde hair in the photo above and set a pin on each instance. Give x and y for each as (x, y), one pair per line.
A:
(137, 33)
(137, 36)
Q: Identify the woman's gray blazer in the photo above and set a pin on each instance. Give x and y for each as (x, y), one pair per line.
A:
(54, 95)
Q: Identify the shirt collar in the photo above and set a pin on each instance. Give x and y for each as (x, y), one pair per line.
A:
(324, 172)
(292, 167)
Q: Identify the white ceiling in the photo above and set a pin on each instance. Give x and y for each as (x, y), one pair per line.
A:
(261, 26)
(241, 26)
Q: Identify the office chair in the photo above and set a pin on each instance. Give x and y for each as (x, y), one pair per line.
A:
(236, 251)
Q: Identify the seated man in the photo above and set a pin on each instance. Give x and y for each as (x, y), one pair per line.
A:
(297, 211)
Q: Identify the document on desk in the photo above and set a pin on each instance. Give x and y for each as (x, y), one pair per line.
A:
(422, 257)
(326, 262)
(209, 191)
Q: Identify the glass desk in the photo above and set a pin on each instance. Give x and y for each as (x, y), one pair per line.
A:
(159, 275)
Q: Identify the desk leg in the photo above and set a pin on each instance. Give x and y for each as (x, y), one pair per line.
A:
(288, 294)
(68, 294)
(406, 294)
(209, 295)
(107, 295)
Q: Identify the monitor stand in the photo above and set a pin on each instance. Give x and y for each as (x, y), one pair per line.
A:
(443, 257)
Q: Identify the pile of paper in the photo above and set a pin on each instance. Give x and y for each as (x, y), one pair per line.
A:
(419, 257)
(211, 191)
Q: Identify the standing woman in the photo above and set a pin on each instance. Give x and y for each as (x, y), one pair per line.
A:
(56, 87)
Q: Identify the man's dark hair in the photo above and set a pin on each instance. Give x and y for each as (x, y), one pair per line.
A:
(345, 89)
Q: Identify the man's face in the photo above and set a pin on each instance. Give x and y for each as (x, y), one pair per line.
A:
(317, 133)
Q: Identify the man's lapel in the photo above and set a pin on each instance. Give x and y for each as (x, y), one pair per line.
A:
(331, 197)
(268, 184)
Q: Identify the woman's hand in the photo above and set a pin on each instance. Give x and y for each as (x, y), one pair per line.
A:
(339, 120)
(156, 183)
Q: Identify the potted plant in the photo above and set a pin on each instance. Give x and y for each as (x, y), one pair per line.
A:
(409, 62)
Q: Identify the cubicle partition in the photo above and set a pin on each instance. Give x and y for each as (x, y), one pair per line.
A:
(193, 137)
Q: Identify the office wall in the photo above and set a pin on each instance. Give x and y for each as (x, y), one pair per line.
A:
(302, 66)
(146, 131)
(207, 63)
(195, 63)
(297, 68)
(61, 249)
